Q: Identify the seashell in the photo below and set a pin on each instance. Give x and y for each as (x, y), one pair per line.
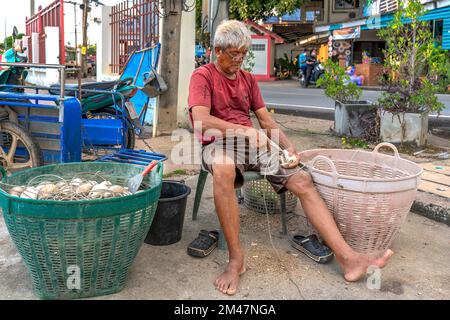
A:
(30, 193)
(93, 182)
(99, 187)
(117, 189)
(106, 183)
(95, 195)
(76, 182)
(84, 188)
(16, 191)
(48, 188)
(66, 189)
(108, 195)
(44, 195)
(61, 184)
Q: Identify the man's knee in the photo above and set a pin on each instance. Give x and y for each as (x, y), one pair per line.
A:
(224, 174)
(301, 181)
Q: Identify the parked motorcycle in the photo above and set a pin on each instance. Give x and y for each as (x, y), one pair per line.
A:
(13, 75)
(318, 71)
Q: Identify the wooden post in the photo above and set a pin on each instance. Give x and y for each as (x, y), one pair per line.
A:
(85, 40)
(170, 61)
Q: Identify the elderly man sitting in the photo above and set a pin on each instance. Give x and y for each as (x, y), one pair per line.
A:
(221, 96)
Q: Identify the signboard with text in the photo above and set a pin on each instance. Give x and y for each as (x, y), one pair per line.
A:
(347, 33)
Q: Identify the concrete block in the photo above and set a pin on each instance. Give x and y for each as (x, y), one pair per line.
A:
(415, 128)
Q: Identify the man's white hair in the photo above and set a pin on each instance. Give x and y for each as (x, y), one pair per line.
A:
(232, 34)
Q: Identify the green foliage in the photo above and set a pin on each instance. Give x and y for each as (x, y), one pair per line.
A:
(260, 9)
(92, 49)
(201, 35)
(249, 62)
(440, 61)
(412, 61)
(247, 9)
(9, 40)
(350, 143)
(337, 83)
(176, 172)
(286, 67)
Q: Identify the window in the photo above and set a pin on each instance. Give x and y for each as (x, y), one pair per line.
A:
(438, 28)
(313, 11)
(258, 47)
(346, 4)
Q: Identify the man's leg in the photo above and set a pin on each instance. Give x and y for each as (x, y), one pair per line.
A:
(227, 210)
(308, 75)
(354, 265)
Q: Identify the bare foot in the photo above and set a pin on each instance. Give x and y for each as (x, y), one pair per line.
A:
(228, 281)
(357, 268)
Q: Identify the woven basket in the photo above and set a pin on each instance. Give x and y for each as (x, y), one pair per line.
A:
(368, 193)
(258, 191)
(92, 242)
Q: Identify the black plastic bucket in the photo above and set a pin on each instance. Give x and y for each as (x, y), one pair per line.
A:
(167, 225)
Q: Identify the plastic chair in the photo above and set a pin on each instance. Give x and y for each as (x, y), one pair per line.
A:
(248, 176)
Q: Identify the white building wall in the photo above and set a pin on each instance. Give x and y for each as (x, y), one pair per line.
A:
(103, 41)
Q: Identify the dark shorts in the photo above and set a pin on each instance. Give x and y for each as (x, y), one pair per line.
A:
(247, 158)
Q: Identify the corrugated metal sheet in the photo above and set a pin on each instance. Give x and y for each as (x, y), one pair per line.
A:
(446, 35)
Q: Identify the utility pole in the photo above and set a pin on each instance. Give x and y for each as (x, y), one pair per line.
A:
(6, 42)
(218, 13)
(85, 7)
(170, 61)
(75, 4)
(31, 8)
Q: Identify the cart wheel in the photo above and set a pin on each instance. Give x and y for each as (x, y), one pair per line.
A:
(130, 137)
(17, 149)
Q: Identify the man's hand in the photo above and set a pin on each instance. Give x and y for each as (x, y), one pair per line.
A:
(293, 152)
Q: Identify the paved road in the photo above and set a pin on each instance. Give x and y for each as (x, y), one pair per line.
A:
(289, 96)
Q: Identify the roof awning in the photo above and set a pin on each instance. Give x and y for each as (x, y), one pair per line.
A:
(265, 31)
(316, 38)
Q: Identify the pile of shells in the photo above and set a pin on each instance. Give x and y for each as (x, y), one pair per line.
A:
(75, 189)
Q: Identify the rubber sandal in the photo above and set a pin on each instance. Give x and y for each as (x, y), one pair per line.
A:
(311, 247)
(204, 244)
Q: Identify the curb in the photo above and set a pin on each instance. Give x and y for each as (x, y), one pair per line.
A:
(432, 211)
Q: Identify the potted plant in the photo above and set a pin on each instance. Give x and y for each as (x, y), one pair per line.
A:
(352, 117)
(410, 94)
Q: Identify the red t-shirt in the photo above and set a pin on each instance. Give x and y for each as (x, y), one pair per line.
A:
(229, 100)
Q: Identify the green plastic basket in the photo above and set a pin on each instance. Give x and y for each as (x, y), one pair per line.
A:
(78, 249)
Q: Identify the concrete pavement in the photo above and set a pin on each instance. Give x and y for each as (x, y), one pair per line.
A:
(418, 269)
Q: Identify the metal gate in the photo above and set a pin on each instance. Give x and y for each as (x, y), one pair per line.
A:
(51, 16)
(134, 26)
